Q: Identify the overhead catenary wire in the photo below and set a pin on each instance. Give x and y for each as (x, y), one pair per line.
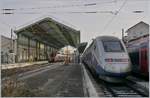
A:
(12, 10)
(117, 12)
(68, 12)
(65, 6)
(61, 6)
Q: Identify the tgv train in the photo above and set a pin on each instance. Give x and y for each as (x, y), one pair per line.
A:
(108, 58)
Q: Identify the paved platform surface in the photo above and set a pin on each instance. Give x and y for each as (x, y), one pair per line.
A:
(16, 65)
(61, 81)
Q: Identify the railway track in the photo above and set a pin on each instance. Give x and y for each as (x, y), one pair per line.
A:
(126, 89)
(138, 88)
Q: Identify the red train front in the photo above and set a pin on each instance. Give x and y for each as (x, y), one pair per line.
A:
(138, 51)
(143, 61)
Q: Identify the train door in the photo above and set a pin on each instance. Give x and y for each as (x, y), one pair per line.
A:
(143, 60)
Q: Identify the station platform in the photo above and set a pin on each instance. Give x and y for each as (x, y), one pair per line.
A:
(16, 65)
(56, 80)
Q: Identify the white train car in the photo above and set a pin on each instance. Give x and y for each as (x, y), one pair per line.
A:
(108, 58)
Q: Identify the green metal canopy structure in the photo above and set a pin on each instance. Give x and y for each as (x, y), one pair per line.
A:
(52, 33)
(36, 41)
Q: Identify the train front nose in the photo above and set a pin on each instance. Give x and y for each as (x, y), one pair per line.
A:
(117, 66)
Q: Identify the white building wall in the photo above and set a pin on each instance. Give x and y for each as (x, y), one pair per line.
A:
(6, 45)
(137, 31)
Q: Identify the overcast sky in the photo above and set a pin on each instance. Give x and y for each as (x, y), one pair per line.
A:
(90, 24)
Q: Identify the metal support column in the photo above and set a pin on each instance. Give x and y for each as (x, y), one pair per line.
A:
(46, 52)
(28, 49)
(17, 53)
(36, 58)
(39, 51)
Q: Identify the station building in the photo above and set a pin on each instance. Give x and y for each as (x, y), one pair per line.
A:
(8, 49)
(37, 41)
(137, 35)
(137, 31)
(29, 49)
(137, 43)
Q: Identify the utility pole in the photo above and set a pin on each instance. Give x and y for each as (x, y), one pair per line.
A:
(12, 40)
(122, 34)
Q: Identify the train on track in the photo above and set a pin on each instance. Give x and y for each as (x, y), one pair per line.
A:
(60, 58)
(51, 56)
(107, 57)
(55, 56)
(138, 51)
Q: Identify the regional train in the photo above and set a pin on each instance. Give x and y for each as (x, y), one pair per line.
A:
(60, 58)
(51, 56)
(107, 57)
(138, 51)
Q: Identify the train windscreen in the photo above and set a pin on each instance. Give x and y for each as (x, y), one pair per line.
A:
(113, 46)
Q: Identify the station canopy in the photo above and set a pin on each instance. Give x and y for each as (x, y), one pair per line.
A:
(52, 33)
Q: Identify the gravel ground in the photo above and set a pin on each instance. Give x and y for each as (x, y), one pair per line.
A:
(63, 81)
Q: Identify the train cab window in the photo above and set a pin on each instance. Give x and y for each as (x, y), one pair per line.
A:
(113, 46)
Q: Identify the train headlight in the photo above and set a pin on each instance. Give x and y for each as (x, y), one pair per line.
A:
(117, 68)
(109, 67)
(128, 68)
